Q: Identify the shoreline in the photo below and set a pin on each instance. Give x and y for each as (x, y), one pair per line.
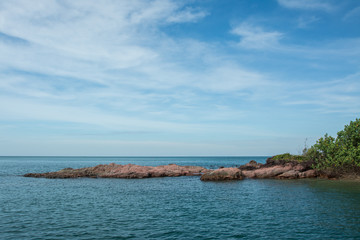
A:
(272, 169)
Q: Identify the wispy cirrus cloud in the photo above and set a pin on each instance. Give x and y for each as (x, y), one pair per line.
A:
(353, 14)
(114, 58)
(306, 21)
(166, 11)
(321, 5)
(336, 96)
(90, 68)
(187, 15)
(255, 37)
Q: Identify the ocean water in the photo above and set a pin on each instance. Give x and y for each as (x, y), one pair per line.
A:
(170, 208)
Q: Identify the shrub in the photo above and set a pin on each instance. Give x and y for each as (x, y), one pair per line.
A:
(288, 157)
(340, 153)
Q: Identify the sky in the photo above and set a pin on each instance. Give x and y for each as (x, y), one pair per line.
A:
(176, 78)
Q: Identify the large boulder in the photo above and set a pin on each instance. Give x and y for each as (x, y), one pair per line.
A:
(309, 174)
(223, 174)
(291, 174)
(251, 165)
(271, 172)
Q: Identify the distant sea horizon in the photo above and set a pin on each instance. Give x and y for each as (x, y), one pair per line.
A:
(135, 155)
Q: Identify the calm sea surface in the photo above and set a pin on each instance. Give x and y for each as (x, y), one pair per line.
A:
(170, 208)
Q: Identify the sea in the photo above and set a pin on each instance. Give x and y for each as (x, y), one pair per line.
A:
(170, 207)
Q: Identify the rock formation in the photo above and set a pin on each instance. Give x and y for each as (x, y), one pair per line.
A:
(222, 174)
(113, 170)
(271, 169)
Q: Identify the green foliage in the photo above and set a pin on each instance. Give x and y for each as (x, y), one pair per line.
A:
(287, 157)
(342, 152)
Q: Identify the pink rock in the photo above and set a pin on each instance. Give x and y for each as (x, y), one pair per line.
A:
(308, 174)
(223, 174)
(291, 174)
(123, 171)
(299, 168)
(271, 172)
(249, 173)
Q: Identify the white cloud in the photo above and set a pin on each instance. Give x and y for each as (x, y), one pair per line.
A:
(107, 65)
(231, 78)
(321, 5)
(165, 11)
(353, 14)
(187, 15)
(304, 22)
(255, 37)
(337, 96)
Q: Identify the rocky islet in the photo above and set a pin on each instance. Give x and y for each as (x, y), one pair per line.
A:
(113, 170)
(271, 169)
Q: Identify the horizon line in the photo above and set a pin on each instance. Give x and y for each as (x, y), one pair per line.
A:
(136, 156)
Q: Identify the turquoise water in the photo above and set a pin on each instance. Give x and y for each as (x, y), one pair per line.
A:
(170, 208)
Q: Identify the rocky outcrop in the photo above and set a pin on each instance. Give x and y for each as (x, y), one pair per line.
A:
(267, 172)
(113, 170)
(309, 174)
(222, 174)
(272, 169)
(252, 165)
(279, 169)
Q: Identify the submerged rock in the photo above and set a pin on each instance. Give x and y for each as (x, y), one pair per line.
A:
(113, 170)
(222, 174)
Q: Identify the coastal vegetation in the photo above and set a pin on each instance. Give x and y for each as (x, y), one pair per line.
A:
(340, 155)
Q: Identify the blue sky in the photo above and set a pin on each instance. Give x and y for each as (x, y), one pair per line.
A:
(163, 77)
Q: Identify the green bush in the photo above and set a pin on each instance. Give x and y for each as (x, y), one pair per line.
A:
(340, 153)
(288, 157)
